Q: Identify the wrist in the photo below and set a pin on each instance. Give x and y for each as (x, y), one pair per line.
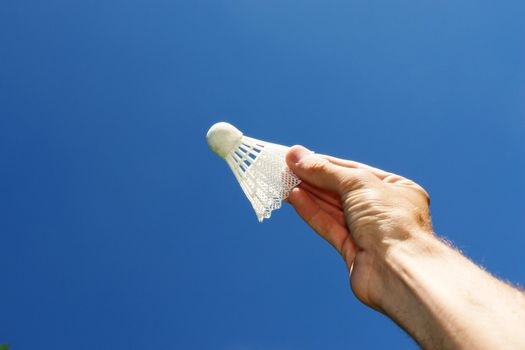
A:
(388, 262)
(399, 262)
(409, 289)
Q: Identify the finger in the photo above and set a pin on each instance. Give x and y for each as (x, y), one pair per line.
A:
(329, 197)
(384, 176)
(381, 174)
(348, 251)
(320, 172)
(336, 212)
(318, 219)
(348, 248)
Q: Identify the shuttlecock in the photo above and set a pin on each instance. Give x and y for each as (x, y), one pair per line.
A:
(258, 166)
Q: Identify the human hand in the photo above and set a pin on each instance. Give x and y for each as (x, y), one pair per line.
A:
(360, 210)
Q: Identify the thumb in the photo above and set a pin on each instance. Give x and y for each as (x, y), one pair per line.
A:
(318, 171)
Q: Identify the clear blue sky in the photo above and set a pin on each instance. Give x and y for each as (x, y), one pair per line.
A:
(119, 229)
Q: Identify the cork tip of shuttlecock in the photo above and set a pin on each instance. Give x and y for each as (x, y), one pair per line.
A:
(223, 138)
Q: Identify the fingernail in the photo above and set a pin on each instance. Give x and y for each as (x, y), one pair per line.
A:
(299, 154)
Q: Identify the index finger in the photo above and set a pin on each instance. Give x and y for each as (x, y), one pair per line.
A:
(381, 174)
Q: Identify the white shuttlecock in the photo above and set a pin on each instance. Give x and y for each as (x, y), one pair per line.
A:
(259, 167)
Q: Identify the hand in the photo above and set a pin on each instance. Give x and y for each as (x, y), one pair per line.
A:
(361, 211)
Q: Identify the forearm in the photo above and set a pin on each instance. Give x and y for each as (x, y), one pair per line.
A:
(445, 301)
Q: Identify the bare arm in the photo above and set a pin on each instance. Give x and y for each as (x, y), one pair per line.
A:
(380, 223)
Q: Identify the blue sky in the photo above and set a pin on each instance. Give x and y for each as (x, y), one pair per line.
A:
(119, 229)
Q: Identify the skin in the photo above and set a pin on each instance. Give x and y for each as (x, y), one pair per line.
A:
(380, 224)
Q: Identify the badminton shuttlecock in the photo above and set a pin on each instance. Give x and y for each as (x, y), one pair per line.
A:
(258, 166)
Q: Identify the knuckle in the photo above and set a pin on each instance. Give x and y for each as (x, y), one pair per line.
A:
(423, 192)
(350, 182)
(362, 174)
(318, 165)
(357, 178)
(425, 195)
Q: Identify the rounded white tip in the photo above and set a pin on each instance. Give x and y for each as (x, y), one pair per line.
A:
(223, 138)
